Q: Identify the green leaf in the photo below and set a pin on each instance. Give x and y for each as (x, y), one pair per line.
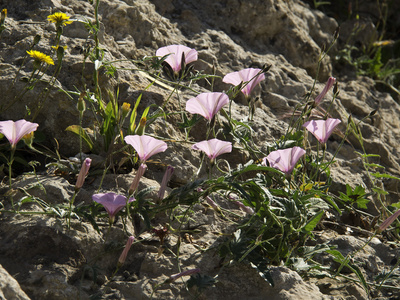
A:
(201, 281)
(384, 175)
(312, 223)
(78, 130)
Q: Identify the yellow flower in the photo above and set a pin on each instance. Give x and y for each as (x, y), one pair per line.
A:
(383, 43)
(3, 16)
(56, 47)
(59, 18)
(40, 57)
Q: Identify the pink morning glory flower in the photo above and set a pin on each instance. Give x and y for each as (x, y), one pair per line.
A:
(14, 131)
(175, 57)
(122, 258)
(284, 160)
(328, 86)
(145, 146)
(245, 75)
(207, 104)
(112, 202)
(321, 129)
(213, 148)
(82, 174)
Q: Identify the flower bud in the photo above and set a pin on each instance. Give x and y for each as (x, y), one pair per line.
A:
(166, 178)
(125, 109)
(82, 174)
(81, 106)
(385, 224)
(28, 138)
(141, 127)
(174, 277)
(124, 253)
(135, 182)
(3, 16)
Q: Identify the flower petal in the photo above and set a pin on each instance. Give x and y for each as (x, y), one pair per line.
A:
(285, 159)
(14, 131)
(145, 146)
(213, 148)
(175, 57)
(322, 129)
(246, 75)
(207, 104)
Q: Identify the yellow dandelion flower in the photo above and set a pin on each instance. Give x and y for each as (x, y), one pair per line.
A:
(40, 57)
(61, 19)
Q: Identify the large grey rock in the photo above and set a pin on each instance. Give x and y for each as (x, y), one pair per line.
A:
(9, 287)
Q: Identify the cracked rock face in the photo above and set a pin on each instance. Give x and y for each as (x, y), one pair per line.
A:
(43, 261)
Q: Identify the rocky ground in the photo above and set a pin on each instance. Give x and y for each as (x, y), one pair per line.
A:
(41, 259)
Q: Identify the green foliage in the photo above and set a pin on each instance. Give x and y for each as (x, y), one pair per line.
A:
(357, 196)
(200, 281)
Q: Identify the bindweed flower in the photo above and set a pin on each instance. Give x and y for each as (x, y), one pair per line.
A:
(82, 173)
(213, 148)
(212, 203)
(207, 104)
(244, 208)
(136, 180)
(40, 57)
(284, 160)
(112, 202)
(61, 19)
(246, 75)
(174, 277)
(166, 178)
(174, 58)
(385, 224)
(322, 129)
(328, 86)
(15, 131)
(124, 253)
(145, 146)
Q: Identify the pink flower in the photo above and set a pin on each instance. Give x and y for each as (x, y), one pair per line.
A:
(175, 57)
(207, 104)
(284, 160)
(212, 203)
(14, 131)
(124, 253)
(245, 208)
(112, 202)
(166, 178)
(245, 75)
(328, 86)
(145, 146)
(213, 148)
(321, 129)
(82, 174)
(136, 180)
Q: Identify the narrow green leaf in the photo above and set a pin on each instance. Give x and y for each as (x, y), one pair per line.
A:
(78, 130)
(384, 175)
(313, 222)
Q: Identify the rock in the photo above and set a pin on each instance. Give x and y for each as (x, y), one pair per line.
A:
(9, 287)
(51, 262)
